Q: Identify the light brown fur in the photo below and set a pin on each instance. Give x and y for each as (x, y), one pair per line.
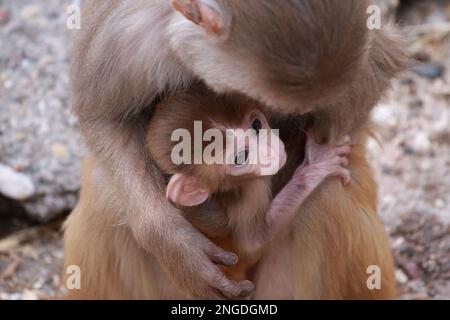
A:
(130, 54)
(238, 211)
(324, 255)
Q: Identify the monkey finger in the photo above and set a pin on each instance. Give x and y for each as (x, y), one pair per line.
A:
(344, 175)
(344, 141)
(343, 162)
(342, 150)
(232, 289)
(222, 257)
(246, 290)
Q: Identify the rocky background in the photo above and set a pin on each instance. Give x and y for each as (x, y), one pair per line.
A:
(41, 148)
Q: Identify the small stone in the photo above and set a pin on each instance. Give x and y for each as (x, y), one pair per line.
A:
(432, 70)
(384, 115)
(398, 242)
(39, 284)
(48, 260)
(420, 249)
(29, 295)
(426, 165)
(430, 266)
(15, 185)
(439, 203)
(8, 84)
(412, 270)
(421, 143)
(401, 277)
(29, 12)
(59, 150)
(373, 145)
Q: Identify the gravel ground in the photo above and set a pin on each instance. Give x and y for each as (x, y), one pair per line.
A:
(39, 137)
(412, 164)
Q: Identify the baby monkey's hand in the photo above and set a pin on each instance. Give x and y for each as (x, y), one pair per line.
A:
(322, 161)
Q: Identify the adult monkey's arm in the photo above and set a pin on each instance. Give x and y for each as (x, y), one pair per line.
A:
(116, 74)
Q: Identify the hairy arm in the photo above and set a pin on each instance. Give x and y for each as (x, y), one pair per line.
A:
(321, 161)
(117, 73)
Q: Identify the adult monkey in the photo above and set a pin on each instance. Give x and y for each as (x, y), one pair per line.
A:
(294, 55)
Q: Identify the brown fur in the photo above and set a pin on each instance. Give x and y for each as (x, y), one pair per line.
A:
(332, 242)
(130, 54)
(180, 110)
(237, 207)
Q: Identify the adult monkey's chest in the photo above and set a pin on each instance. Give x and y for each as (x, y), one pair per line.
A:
(292, 130)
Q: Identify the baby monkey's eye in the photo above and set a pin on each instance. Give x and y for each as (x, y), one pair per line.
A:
(257, 125)
(241, 158)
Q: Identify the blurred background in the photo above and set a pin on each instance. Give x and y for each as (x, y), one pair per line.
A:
(41, 148)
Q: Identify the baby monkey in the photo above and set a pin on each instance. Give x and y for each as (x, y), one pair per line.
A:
(230, 199)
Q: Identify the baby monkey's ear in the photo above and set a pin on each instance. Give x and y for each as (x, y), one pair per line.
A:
(205, 13)
(186, 191)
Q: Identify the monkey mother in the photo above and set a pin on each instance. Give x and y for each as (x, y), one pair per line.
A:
(310, 59)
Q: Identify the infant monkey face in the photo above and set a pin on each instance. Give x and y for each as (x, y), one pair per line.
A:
(256, 150)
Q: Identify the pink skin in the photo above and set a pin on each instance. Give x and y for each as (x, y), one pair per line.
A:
(321, 162)
(265, 158)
